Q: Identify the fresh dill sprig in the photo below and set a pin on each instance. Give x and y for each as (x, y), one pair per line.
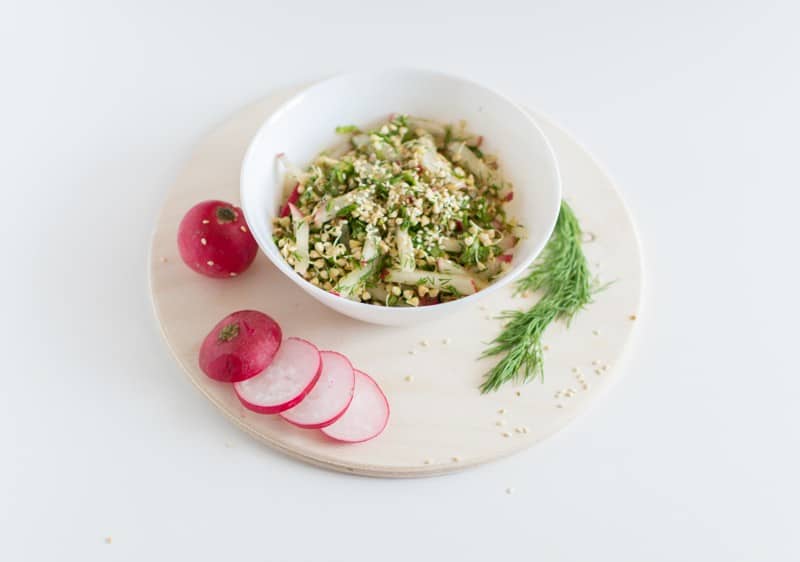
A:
(562, 275)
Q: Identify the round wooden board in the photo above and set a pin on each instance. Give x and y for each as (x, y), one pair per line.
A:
(439, 422)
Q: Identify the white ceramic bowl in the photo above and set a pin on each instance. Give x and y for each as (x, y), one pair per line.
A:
(304, 126)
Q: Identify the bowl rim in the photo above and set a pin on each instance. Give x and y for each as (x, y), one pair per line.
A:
(399, 312)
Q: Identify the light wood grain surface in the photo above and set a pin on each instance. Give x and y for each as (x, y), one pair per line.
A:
(439, 423)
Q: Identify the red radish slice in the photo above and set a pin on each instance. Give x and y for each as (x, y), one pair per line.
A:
(329, 398)
(240, 346)
(288, 379)
(367, 415)
(294, 196)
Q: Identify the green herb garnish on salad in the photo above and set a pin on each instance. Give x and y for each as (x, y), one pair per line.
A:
(562, 275)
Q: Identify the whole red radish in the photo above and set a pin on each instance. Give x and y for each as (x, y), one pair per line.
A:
(213, 239)
(240, 346)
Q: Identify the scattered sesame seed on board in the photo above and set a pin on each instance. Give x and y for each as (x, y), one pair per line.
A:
(412, 351)
(506, 434)
(424, 343)
(559, 405)
(446, 341)
(427, 461)
(596, 332)
(632, 317)
(546, 347)
(409, 378)
(509, 491)
(518, 393)
(500, 423)
(456, 459)
(576, 370)
(598, 372)
(501, 411)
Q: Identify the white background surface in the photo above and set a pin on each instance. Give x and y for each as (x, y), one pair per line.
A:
(694, 455)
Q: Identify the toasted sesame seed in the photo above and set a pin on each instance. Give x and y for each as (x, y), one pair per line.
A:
(501, 411)
(427, 461)
(500, 423)
(209, 262)
(596, 362)
(203, 241)
(409, 378)
(596, 332)
(598, 372)
(446, 341)
(456, 459)
(412, 351)
(506, 434)
(518, 393)
(524, 429)
(424, 343)
(559, 405)
(518, 430)
(546, 347)
(632, 317)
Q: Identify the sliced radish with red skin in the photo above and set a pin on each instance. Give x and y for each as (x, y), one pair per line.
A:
(289, 378)
(294, 196)
(505, 257)
(329, 398)
(367, 416)
(240, 346)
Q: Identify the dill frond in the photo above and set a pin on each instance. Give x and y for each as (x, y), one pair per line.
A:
(562, 276)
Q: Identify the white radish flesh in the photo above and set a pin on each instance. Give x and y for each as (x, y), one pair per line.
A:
(464, 284)
(460, 153)
(287, 380)
(405, 250)
(300, 239)
(328, 209)
(450, 245)
(330, 396)
(294, 174)
(449, 267)
(367, 416)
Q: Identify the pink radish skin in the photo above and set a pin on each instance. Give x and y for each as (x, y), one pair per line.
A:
(367, 416)
(240, 346)
(289, 378)
(330, 397)
(294, 196)
(213, 239)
